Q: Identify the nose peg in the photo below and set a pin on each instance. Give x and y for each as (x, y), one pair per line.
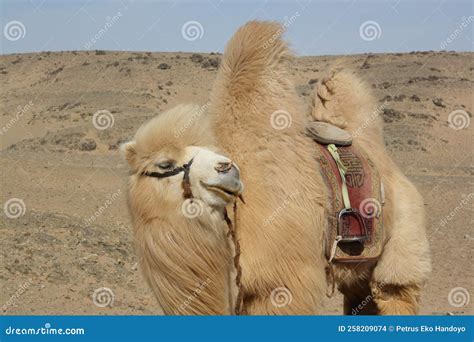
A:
(224, 166)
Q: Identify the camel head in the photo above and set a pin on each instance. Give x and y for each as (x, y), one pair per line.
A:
(173, 146)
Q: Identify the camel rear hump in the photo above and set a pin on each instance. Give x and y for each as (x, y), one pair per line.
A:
(344, 100)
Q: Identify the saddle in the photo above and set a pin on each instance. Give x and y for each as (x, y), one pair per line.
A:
(354, 230)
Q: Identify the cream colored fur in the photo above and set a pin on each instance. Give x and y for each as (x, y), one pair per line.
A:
(281, 226)
(252, 83)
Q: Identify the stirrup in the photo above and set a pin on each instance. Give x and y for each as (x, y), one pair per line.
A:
(352, 238)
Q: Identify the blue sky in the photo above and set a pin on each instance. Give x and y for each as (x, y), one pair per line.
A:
(313, 27)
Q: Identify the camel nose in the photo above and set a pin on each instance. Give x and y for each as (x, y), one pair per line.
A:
(228, 168)
(224, 167)
(227, 176)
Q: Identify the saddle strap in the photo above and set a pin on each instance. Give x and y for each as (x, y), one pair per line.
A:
(342, 171)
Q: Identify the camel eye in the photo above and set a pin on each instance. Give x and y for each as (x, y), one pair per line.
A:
(165, 165)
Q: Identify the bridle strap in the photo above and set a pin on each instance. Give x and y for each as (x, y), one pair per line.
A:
(185, 168)
(186, 185)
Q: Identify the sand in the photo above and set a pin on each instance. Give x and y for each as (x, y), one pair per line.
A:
(73, 234)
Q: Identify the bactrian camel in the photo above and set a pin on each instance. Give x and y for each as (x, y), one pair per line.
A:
(188, 260)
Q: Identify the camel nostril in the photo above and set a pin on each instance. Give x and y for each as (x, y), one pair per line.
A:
(224, 166)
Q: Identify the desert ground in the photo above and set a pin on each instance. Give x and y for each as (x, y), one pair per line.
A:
(65, 230)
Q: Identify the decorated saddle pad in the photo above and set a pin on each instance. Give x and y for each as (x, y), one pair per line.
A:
(354, 234)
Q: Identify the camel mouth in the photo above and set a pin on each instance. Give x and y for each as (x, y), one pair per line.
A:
(222, 191)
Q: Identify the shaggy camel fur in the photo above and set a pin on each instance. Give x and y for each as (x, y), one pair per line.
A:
(282, 225)
(259, 121)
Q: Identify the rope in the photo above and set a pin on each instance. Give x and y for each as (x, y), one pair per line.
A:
(331, 266)
(333, 281)
(334, 246)
(238, 277)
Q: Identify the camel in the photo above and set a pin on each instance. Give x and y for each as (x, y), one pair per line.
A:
(256, 118)
(181, 240)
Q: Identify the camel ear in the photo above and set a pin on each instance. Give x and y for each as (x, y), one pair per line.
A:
(130, 152)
